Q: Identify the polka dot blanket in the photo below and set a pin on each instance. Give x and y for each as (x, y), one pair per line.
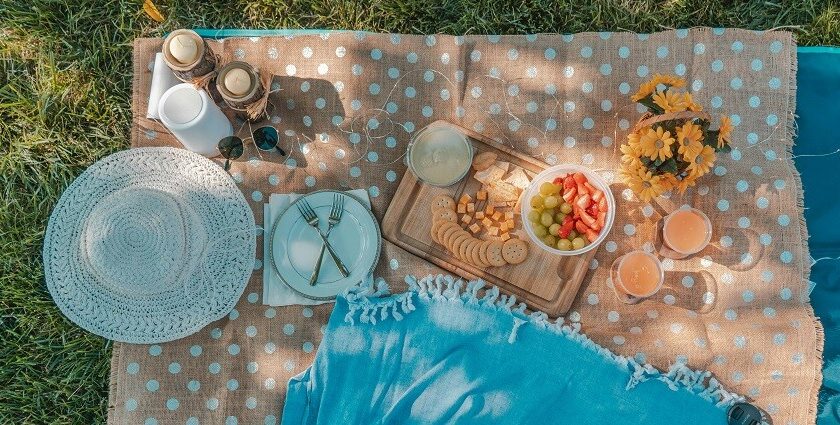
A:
(346, 105)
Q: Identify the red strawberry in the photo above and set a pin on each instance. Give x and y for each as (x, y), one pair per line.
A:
(602, 219)
(591, 235)
(583, 201)
(587, 219)
(581, 227)
(566, 228)
(569, 194)
(602, 204)
(580, 178)
(557, 180)
(593, 210)
(597, 195)
(569, 182)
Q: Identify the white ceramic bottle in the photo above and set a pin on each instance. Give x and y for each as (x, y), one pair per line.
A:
(194, 119)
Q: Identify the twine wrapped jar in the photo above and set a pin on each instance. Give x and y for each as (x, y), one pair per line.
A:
(189, 66)
(249, 97)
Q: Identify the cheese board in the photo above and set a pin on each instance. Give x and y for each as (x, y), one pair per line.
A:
(544, 281)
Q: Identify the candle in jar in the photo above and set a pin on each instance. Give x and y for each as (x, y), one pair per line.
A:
(183, 49)
(237, 81)
(639, 274)
(687, 231)
(440, 155)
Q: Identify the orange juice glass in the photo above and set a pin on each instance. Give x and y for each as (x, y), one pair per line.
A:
(637, 275)
(687, 231)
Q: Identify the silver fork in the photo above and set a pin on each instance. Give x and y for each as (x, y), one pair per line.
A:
(335, 216)
(312, 219)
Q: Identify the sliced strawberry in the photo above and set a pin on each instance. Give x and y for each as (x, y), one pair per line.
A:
(597, 195)
(602, 204)
(593, 210)
(569, 182)
(568, 220)
(587, 219)
(557, 180)
(569, 195)
(602, 219)
(581, 227)
(583, 201)
(591, 235)
(580, 178)
(566, 228)
(589, 187)
(582, 189)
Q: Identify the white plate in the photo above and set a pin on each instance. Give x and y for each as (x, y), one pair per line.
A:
(295, 245)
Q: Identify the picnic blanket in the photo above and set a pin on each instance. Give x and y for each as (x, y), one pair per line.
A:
(453, 353)
(349, 103)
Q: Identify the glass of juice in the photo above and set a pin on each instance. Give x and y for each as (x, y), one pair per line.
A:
(685, 232)
(636, 275)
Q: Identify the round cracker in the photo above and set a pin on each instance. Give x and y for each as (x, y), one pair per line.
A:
(444, 214)
(482, 252)
(515, 251)
(436, 228)
(443, 201)
(454, 236)
(446, 227)
(466, 247)
(494, 254)
(476, 257)
(455, 245)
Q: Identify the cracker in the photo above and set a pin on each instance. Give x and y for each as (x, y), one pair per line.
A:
(466, 247)
(456, 245)
(494, 254)
(446, 229)
(443, 201)
(451, 238)
(475, 257)
(482, 252)
(484, 160)
(515, 251)
(444, 214)
(435, 228)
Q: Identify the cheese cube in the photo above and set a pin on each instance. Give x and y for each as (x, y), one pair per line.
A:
(497, 215)
(510, 223)
(479, 215)
(487, 222)
(505, 236)
(504, 227)
(489, 210)
(462, 208)
(493, 231)
(467, 218)
(481, 195)
(509, 215)
(465, 198)
(475, 228)
(471, 207)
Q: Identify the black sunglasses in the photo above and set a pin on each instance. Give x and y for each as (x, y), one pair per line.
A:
(266, 139)
(231, 147)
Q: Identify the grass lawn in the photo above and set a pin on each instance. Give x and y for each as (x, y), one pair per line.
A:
(65, 81)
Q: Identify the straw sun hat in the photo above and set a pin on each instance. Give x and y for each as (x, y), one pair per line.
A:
(149, 245)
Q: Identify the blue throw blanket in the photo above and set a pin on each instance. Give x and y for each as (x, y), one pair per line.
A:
(440, 354)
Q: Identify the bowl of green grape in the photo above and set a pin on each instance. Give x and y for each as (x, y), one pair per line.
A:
(568, 209)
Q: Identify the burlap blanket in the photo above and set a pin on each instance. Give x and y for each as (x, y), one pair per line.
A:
(348, 104)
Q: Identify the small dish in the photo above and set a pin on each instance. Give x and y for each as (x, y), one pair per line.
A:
(549, 175)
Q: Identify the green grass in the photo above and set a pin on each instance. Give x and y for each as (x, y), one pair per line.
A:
(65, 81)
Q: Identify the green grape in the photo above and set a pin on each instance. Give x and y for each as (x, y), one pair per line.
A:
(537, 202)
(540, 230)
(557, 189)
(578, 243)
(534, 216)
(549, 240)
(564, 245)
(553, 229)
(546, 219)
(546, 188)
(550, 201)
(559, 217)
(566, 208)
(573, 234)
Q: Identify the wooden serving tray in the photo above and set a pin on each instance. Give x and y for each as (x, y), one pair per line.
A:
(544, 281)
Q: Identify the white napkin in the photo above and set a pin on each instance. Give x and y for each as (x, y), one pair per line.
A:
(275, 292)
(162, 80)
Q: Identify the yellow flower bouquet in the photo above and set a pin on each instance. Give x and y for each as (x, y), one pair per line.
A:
(672, 145)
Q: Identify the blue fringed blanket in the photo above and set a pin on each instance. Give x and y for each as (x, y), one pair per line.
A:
(440, 354)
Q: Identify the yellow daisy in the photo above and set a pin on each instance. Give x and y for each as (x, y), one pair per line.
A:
(689, 140)
(702, 163)
(630, 157)
(685, 183)
(725, 131)
(647, 88)
(644, 184)
(670, 101)
(690, 105)
(656, 144)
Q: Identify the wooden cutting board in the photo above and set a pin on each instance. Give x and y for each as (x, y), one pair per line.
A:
(544, 281)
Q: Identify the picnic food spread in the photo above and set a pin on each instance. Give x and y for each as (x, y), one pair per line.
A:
(344, 127)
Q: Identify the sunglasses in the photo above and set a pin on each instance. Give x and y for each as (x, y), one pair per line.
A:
(265, 138)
